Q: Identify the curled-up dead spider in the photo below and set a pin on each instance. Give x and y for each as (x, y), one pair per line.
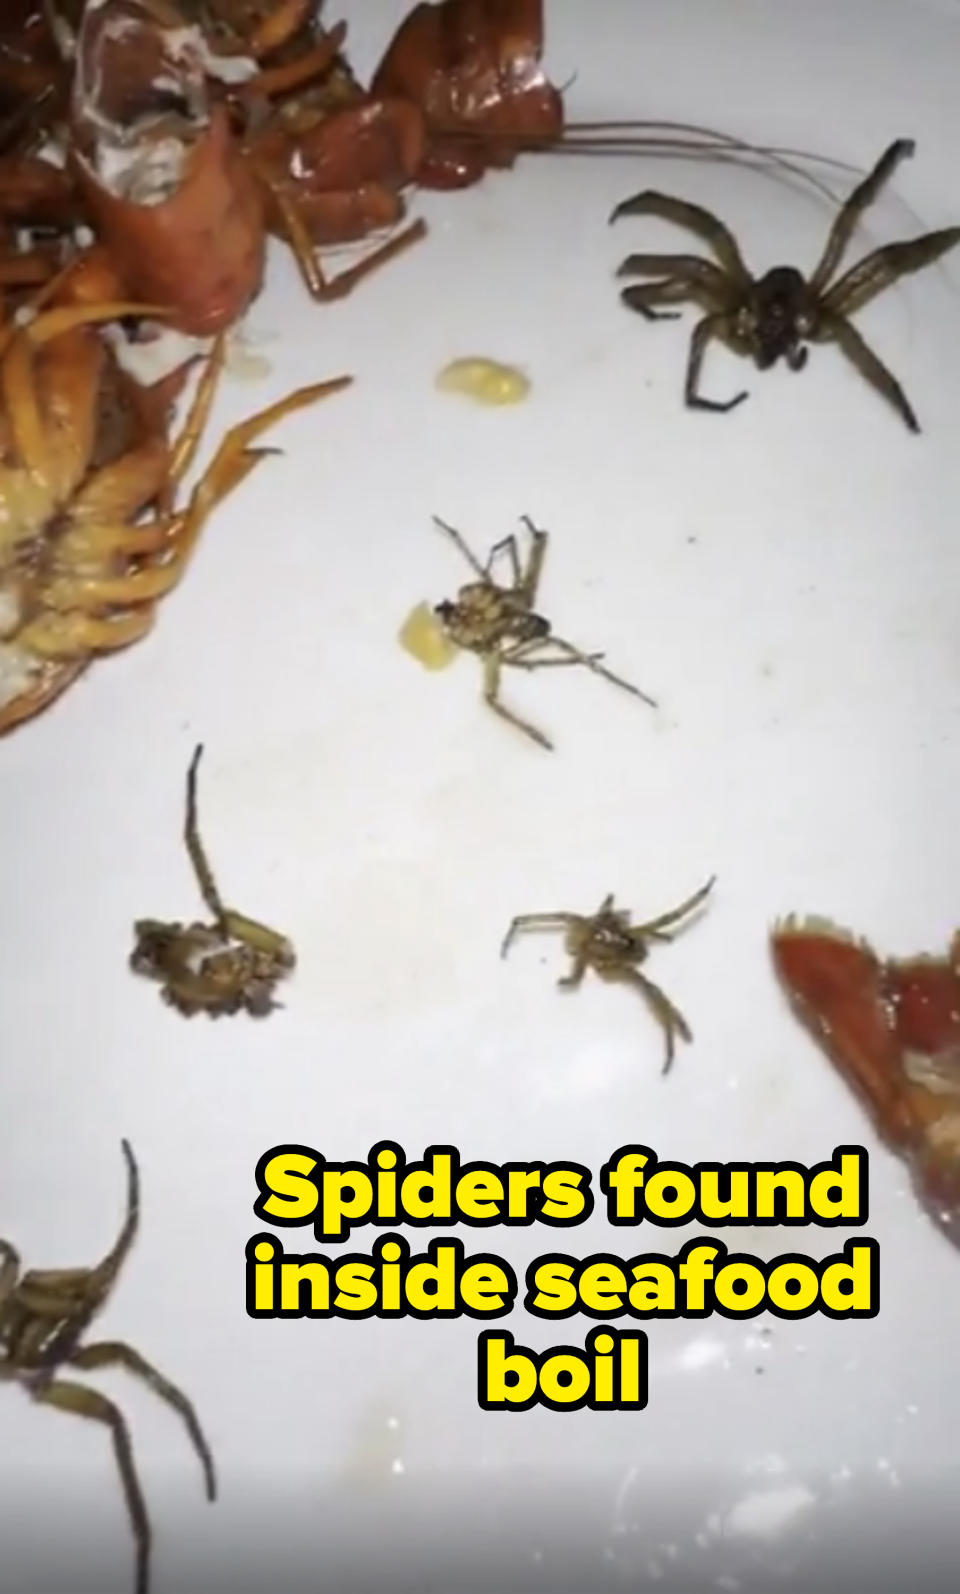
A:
(500, 624)
(614, 948)
(230, 966)
(44, 1315)
(776, 315)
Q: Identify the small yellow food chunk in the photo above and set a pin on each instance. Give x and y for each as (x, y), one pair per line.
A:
(486, 381)
(422, 636)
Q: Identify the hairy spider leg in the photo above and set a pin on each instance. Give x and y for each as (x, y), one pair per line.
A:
(530, 584)
(491, 696)
(883, 267)
(100, 1278)
(656, 927)
(861, 356)
(83, 1402)
(683, 277)
(862, 197)
(460, 541)
(230, 924)
(712, 326)
(541, 921)
(670, 1018)
(508, 546)
(114, 1353)
(695, 219)
(523, 656)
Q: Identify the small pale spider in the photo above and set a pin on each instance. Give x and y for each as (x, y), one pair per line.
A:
(501, 626)
(230, 966)
(612, 947)
(774, 316)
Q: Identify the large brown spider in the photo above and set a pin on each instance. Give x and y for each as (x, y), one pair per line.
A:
(230, 966)
(613, 947)
(501, 626)
(775, 315)
(43, 1316)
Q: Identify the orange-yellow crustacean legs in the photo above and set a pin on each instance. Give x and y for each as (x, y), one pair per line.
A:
(81, 572)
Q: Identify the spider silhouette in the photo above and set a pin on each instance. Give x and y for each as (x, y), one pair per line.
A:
(774, 316)
(610, 944)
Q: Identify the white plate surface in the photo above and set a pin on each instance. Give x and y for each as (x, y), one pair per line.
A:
(785, 581)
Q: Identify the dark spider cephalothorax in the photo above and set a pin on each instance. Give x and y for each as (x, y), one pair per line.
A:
(44, 1315)
(502, 627)
(774, 316)
(613, 948)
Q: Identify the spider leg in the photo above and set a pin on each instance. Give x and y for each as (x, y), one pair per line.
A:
(196, 851)
(643, 296)
(457, 538)
(591, 661)
(712, 326)
(581, 963)
(694, 217)
(530, 584)
(671, 1020)
(656, 926)
(113, 1353)
(67, 1396)
(491, 696)
(863, 196)
(860, 354)
(537, 921)
(9, 1271)
(507, 545)
(689, 269)
(884, 266)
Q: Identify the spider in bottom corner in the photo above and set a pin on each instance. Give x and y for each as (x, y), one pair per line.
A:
(44, 1315)
(500, 624)
(774, 316)
(613, 947)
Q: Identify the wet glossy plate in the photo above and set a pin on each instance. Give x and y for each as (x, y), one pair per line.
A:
(784, 581)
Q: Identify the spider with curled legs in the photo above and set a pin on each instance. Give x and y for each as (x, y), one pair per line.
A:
(43, 1317)
(613, 947)
(501, 626)
(774, 316)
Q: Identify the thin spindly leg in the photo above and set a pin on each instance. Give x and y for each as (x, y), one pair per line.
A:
(537, 921)
(196, 851)
(538, 552)
(82, 1402)
(659, 924)
(185, 446)
(863, 195)
(523, 656)
(670, 1019)
(113, 1353)
(457, 538)
(508, 546)
(581, 963)
(712, 326)
(491, 696)
(689, 269)
(306, 257)
(877, 271)
(643, 296)
(860, 354)
(9, 1270)
(703, 222)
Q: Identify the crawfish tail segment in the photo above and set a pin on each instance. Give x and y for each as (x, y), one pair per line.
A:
(892, 1029)
(473, 67)
(168, 191)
